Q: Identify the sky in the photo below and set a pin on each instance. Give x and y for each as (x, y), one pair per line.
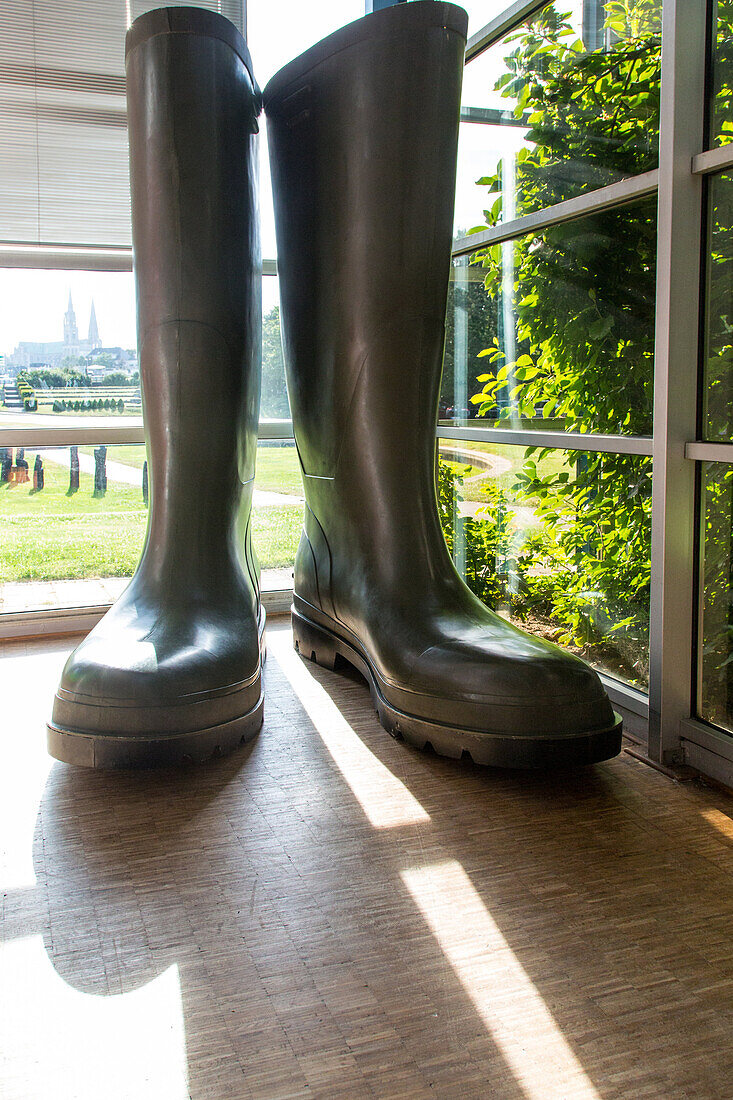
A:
(32, 303)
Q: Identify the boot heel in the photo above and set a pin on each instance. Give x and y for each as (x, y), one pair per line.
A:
(312, 642)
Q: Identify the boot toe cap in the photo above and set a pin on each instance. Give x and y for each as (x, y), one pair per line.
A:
(511, 684)
(136, 675)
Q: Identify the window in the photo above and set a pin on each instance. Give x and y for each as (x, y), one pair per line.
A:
(585, 411)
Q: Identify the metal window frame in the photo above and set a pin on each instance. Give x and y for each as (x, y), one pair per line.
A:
(507, 21)
(565, 441)
(69, 257)
(680, 238)
(713, 160)
(602, 198)
(675, 735)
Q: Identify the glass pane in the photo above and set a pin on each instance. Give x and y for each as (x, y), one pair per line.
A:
(721, 105)
(567, 103)
(70, 541)
(67, 541)
(274, 403)
(68, 348)
(556, 541)
(715, 702)
(556, 329)
(481, 12)
(278, 512)
(277, 33)
(718, 376)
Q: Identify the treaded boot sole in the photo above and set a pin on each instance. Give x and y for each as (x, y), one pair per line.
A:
(92, 750)
(491, 749)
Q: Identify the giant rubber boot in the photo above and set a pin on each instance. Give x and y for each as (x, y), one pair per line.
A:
(363, 133)
(172, 672)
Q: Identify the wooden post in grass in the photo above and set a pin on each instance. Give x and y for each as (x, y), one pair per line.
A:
(38, 475)
(100, 471)
(73, 470)
(145, 483)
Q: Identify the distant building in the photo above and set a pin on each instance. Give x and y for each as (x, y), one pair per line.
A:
(29, 354)
(106, 361)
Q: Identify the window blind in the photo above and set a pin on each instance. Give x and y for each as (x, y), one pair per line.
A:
(63, 141)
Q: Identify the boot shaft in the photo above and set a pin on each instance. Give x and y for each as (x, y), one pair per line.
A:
(192, 118)
(363, 132)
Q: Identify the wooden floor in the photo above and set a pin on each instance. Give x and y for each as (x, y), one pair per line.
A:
(330, 914)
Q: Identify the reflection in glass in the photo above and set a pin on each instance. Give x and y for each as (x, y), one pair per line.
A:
(715, 697)
(73, 519)
(718, 377)
(567, 103)
(556, 541)
(556, 329)
(721, 101)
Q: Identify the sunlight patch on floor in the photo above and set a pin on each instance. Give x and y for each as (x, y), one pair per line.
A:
(21, 786)
(719, 821)
(384, 798)
(503, 994)
(116, 1047)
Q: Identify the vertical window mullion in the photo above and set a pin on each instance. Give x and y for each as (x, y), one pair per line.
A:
(675, 387)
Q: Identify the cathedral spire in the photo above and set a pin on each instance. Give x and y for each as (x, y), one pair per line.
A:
(71, 333)
(94, 339)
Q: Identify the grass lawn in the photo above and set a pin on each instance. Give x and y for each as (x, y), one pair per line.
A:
(278, 469)
(53, 536)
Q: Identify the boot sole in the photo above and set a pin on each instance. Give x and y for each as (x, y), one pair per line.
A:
(492, 749)
(92, 750)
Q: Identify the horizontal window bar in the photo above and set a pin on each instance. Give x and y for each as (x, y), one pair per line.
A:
(708, 737)
(564, 441)
(714, 160)
(80, 620)
(275, 429)
(73, 436)
(709, 452)
(52, 257)
(603, 198)
(112, 435)
(67, 257)
(623, 695)
(491, 116)
(512, 15)
(708, 750)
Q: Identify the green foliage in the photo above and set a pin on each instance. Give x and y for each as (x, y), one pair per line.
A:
(721, 121)
(582, 295)
(118, 378)
(48, 378)
(274, 400)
